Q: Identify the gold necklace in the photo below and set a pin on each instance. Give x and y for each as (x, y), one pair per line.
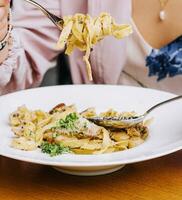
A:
(162, 13)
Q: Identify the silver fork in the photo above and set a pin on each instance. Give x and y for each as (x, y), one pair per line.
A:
(55, 19)
(124, 122)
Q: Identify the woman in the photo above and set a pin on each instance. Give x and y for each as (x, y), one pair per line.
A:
(25, 60)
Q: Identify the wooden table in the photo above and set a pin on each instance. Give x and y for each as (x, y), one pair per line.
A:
(158, 179)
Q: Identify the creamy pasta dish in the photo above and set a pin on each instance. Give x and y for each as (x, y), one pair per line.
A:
(83, 32)
(65, 130)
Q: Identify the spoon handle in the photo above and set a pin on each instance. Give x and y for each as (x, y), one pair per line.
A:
(162, 103)
(55, 19)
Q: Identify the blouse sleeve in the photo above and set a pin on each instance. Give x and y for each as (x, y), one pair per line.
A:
(34, 38)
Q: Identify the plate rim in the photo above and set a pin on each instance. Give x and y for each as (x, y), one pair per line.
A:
(96, 164)
(85, 85)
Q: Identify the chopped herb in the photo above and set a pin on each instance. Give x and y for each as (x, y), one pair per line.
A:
(53, 129)
(68, 122)
(85, 125)
(31, 133)
(54, 149)
(55, 135)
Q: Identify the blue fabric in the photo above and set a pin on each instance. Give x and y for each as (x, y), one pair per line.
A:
(167, 61)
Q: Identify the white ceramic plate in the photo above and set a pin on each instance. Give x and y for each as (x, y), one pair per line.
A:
(165, 132)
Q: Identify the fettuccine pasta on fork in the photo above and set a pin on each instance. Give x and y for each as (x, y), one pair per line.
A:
(83, 32)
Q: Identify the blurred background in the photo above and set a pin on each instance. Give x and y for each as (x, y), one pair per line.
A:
(59, 74)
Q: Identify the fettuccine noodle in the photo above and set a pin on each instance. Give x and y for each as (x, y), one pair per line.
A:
(83, 32)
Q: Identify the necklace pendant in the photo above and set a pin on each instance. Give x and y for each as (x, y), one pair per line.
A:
(162, 15)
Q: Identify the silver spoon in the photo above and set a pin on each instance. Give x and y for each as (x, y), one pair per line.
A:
(55, 19)
(124, 122)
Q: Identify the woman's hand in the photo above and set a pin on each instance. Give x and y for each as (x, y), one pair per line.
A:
(4, 8)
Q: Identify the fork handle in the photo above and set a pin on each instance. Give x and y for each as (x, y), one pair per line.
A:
(55, 19)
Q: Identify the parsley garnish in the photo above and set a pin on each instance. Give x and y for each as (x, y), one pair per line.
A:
(68, 122)
(54, 149)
